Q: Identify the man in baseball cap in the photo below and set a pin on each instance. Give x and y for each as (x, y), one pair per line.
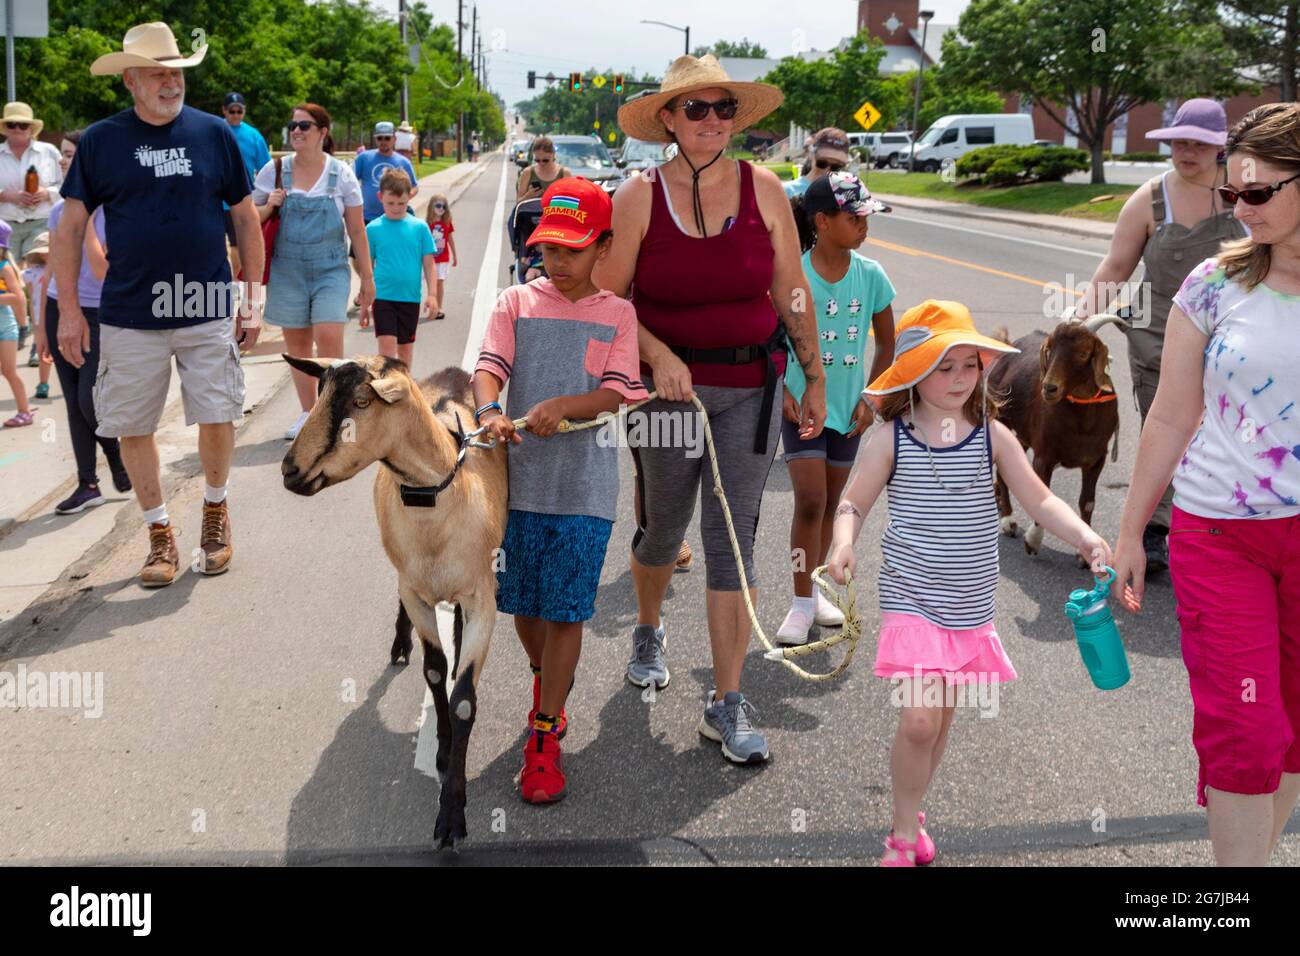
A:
(253, 149)
(371, 165)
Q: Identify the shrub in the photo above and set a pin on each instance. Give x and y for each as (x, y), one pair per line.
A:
(1006, 165)
(1141, 157)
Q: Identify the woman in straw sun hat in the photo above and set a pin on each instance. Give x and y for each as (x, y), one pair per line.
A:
(709, 251)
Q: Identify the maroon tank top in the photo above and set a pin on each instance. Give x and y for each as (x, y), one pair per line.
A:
(711, 292)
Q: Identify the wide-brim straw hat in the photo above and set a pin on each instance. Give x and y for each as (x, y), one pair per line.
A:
(639, 118)
(40, 245)
(16, 112)
(147, 45)
(924, 335)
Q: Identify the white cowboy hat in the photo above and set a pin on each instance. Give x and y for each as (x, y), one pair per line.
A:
(639, 118)
(148, 45)
(22, 113)
(405, 127)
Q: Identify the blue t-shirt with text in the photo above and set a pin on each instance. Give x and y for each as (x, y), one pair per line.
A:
(398, 248)
(370, 167)
(252, 146)
(161, 188)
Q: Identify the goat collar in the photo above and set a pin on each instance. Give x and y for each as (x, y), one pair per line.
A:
(426, 496)
(1101, 396)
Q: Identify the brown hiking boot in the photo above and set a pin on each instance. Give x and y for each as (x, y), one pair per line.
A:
(684, 557)
(160, 567)
(215, 539)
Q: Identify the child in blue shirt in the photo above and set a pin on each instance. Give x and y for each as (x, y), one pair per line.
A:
(401, 247)
(847, 288)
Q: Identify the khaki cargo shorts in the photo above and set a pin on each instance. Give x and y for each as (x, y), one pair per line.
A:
(135, 369)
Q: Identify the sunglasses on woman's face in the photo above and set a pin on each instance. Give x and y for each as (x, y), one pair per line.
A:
(235, 111)
(439, 206)
(303, 125)
(1256, 195)
(17, 125)
(830, 164)
(696, 110)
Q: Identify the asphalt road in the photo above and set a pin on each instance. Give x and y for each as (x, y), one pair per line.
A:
(254, 717)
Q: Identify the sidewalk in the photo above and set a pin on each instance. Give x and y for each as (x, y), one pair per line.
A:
(37, 468)
(1057, 224)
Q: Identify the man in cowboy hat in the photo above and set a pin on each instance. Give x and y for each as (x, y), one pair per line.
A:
(27, 212)
(161, 170)
(405, 140)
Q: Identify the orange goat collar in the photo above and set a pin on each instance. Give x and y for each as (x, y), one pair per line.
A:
(1099, 397)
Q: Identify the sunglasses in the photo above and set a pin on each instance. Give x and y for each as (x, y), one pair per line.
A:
(303, 125)
(439, 205)
(17, 125)
(830, 164)
(1255, 196)
(235, 111)
(383, 138)
(696, 110)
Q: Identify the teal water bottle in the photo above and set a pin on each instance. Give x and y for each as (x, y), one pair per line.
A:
(1098, 637)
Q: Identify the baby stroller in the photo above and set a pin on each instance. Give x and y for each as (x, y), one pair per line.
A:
(523, 220)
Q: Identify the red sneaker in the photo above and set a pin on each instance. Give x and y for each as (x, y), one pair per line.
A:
(561, 725)
(542, 779)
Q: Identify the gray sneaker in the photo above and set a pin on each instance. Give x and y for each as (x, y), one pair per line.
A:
(728, 723)
(648, 663)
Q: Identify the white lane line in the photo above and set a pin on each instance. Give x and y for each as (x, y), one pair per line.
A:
(489, 275)
(485, 295)
(997, 235)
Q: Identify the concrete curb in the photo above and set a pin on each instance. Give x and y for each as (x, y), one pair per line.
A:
(1054, 224)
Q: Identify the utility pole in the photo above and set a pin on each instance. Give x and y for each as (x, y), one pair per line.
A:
(401, 19)
(460, 117)
(473, 46)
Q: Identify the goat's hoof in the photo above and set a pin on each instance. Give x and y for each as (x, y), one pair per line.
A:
(400, 652)
(1034, 539)
(450, 828)
(1009, 527)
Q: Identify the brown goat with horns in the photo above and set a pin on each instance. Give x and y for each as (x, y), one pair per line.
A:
(1061, 403)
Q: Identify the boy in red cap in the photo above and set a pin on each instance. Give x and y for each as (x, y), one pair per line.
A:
(569, 351)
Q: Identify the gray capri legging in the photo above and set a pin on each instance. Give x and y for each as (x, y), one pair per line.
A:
(667, 478)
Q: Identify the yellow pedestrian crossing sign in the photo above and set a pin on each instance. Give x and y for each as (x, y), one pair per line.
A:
(613, 136)
(867, 115)
(596, 125)
(598, 80)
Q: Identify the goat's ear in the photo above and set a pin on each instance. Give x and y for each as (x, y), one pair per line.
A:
(390, 389)
(308, 366)
(1100, 362)
(1042, 355)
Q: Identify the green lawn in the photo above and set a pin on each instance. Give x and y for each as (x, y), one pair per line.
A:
(1058, 199)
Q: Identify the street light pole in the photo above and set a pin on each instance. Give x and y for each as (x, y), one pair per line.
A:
(926, 15)
(671, 26)
(401, 19)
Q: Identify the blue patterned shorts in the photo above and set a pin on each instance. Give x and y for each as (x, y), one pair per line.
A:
(550, 565)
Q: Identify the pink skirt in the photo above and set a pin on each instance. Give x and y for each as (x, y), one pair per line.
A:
(911, 646)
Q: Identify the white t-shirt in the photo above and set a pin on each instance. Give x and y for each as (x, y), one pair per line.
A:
(349, 190)
(1245, 459)
(404, 140)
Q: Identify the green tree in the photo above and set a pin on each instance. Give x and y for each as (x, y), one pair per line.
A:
(746, 48)
(828, 92)
(941, 94)
(1100, 58)
(1265, 35)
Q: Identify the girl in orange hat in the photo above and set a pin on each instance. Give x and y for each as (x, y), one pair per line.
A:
(939, 569)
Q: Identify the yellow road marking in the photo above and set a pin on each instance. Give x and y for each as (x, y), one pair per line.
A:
(909, 251)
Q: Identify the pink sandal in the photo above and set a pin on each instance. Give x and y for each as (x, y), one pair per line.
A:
(902, 848)
(924, 845)
(19, 420)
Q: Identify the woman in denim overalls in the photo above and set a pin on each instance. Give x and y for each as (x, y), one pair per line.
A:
(1171, 224)
(320, 209)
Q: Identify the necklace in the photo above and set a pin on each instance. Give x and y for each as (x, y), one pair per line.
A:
(934, 469)
(698, 207)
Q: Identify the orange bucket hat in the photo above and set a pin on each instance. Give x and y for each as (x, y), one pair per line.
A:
(923, 336)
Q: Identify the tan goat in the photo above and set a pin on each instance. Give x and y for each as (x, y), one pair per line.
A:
(441, 523)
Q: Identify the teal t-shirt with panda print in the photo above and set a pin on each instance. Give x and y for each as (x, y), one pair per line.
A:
(844, 312)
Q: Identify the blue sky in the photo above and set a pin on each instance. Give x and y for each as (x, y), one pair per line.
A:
(565, 35)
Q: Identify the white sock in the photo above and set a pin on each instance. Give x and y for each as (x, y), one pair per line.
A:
(157, 515)
(806, 604)
(213, 496)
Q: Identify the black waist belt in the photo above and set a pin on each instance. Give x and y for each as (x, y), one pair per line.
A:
(743, 355)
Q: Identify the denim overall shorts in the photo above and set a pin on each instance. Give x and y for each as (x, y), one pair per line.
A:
(310, 279)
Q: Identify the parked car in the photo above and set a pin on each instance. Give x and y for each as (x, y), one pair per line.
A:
(951, 137)
(520, 152)
(642, 154)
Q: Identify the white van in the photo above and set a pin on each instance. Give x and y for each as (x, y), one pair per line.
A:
(953, 136)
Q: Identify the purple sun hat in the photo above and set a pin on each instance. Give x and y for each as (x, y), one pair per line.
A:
(1199, 119)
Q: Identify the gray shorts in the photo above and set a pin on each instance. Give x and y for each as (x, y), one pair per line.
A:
(668, 479)
(135, 369)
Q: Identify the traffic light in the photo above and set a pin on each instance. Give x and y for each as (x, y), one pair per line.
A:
(575, 82)
(618, 82)
(532, 79)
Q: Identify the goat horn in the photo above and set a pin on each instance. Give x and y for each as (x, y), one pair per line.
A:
(1096, 322)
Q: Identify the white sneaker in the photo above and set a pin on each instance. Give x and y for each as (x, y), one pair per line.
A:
(828, 615)
(794, 629)
(291, 432)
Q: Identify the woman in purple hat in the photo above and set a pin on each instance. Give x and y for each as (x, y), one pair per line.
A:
(1173, 223)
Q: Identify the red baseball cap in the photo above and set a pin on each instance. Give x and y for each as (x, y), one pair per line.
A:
(574, 212)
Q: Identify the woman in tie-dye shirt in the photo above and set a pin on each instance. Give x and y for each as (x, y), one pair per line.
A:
(1226, 424)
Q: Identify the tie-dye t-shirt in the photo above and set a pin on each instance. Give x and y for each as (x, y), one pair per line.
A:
(1245, 459)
